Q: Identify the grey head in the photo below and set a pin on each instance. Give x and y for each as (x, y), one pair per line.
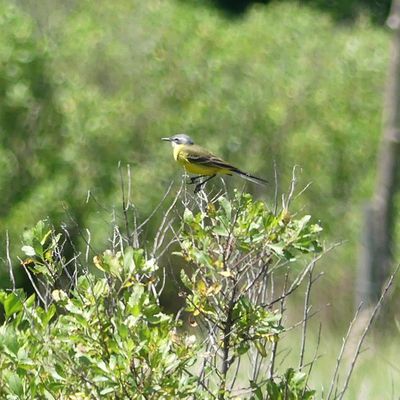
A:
(180, 138)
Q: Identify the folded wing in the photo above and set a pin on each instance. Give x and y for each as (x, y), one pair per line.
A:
(197, 155)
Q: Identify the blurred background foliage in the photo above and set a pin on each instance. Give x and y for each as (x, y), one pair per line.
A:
(86, 85)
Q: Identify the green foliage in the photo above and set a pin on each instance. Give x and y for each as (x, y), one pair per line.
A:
(106, 338)
(40, 246)
(102, 334)
(30, 123)
(235, 246)
(291, 386)
(254, 228)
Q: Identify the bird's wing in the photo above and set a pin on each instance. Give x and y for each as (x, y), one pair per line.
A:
(198, 155)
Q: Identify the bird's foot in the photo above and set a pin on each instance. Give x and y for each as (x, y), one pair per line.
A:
(198, 188)
(194, 179)
(202, 183)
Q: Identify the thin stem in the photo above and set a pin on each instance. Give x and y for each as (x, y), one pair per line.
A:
(226, 362)
(297, 282)
(366, 329)
(305, 315)
(9, 263)
(275, 344)
(125, 205)
(314, 358)
(340, 356)
(276, 189)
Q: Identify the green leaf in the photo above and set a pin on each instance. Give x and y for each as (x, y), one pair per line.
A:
(299, 378)
(57, 373)
(107, 390)
(227, 207)
(111, 264)
(150, 265)
(202, 258)
(138, 258)
(10, 341)
(186, 280)
(45, 237)
(49, 314)
(187, 216)
(38, 247)
(12, 304)
(256, 390)
(14, 383)
(303, 222)
(243, 348)
(73, 307)
(129, 263)
(100, 289)
(221, 230)
(3, 296)
(273, 390)
(30, 301)
(158, 318)
(261, 348)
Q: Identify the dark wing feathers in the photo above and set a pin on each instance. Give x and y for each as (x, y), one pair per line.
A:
(211, 162)
(198, 155)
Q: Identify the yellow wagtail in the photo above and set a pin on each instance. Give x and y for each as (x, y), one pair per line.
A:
(197, 160)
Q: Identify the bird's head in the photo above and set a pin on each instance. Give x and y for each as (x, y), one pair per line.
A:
(180, 138)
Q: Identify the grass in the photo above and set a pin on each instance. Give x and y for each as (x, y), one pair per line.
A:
(376, 375)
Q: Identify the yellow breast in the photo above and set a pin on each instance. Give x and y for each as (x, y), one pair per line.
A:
(177, 150)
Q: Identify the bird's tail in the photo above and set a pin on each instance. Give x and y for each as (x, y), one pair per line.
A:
(251, 178)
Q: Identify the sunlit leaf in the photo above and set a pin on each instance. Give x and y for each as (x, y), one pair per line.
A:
(12, 304)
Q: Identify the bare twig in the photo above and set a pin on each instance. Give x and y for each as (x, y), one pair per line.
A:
(87, 245)
(299, 279)
(235, 375)
(302, 190)
(276, 189)
(157, 242)
(275, 344)
(125, 205)
(37, 290)
(9, 263)
(156, 208)
(305, 315)
(366, 329)
(286, 202)
(314, 358)
(227, 330)
(340, 356)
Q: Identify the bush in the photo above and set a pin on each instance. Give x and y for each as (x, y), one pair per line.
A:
(237, 248)
(104, 337)
(97, 330)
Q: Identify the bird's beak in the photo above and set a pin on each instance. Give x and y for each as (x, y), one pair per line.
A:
(166, 139)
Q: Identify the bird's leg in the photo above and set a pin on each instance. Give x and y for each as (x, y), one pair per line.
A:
(201, 184)
(194, 179)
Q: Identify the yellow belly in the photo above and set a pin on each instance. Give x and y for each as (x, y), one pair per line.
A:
(199, 169)
(180, 156)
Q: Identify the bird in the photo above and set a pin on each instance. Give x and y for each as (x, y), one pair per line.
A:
(198, 160)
